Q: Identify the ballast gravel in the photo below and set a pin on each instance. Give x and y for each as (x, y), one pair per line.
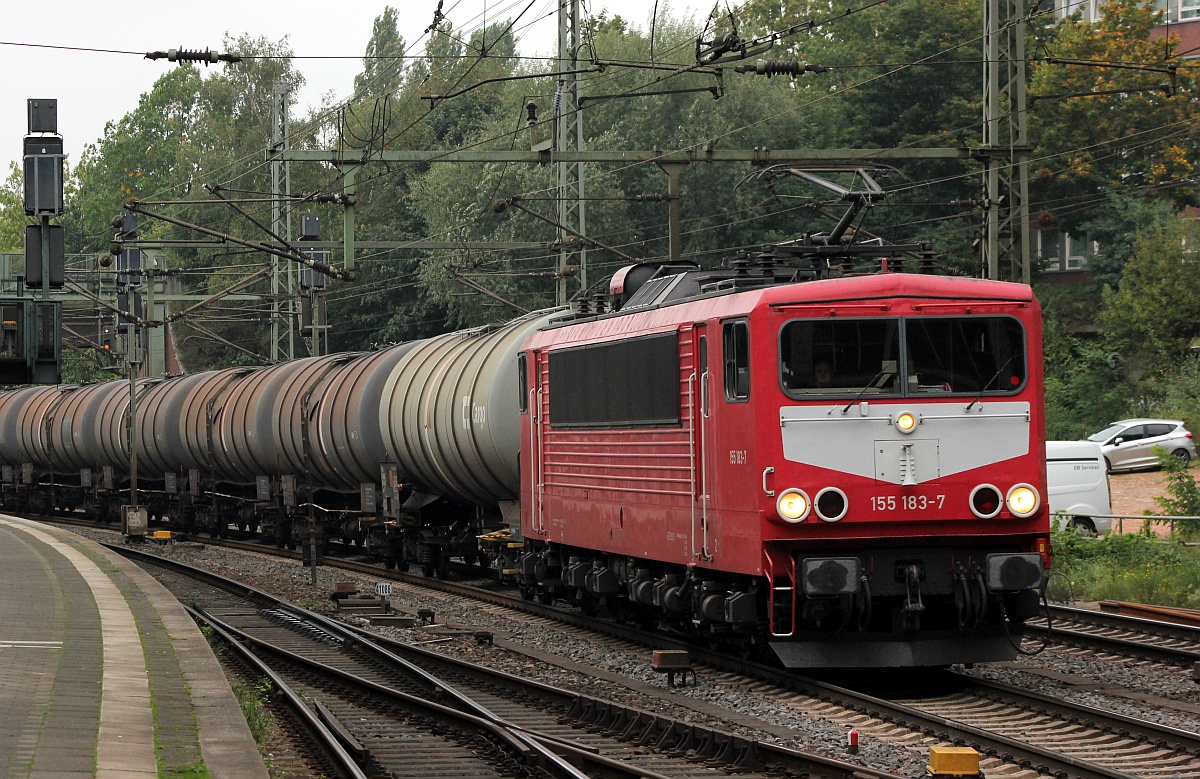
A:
(784, 720)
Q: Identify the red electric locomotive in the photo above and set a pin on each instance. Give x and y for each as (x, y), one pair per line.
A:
(845, 469)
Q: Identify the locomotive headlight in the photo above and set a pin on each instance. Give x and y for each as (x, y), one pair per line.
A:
(793, 505)
(906, 422)
(1022, 500)
(985, 501)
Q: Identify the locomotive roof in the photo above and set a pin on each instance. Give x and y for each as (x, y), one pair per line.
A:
(728, 302)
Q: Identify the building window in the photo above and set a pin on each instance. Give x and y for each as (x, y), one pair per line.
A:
(1048, 247)
(1077, 250)
(1189, 9)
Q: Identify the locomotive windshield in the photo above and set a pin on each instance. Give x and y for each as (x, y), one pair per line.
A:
(902, 357)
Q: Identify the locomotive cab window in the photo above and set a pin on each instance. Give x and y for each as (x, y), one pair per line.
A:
(891, 357)
(735, 343)
(976, 355)
(841, 357)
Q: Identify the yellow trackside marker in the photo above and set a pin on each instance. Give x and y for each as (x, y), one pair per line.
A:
(953, 761)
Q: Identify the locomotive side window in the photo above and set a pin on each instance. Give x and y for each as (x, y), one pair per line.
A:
(632, 383)
(841, 356)
(522, 384)
(735, 341)
(965, 354)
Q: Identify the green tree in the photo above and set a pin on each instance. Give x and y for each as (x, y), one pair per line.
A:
(1136, 136)
(12, 212)
(142, 155)
(1156, 312)
(383, 66)
(1114, 226)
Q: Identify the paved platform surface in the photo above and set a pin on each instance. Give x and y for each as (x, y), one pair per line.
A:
(102, 672)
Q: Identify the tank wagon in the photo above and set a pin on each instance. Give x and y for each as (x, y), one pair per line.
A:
(837, 469)
(381, 449)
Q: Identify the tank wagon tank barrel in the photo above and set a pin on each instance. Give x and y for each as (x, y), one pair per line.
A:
(443, 409)
(448, 413)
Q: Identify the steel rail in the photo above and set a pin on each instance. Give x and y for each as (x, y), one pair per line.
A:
(623, 718)
(315, 728)
(1013, 750)
(1152, 619)
(1139, 729)
(554, 756)
(532, 752)
(672, 735)
(1145, 638)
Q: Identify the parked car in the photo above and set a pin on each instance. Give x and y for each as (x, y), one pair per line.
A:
(1130, 443)
(1077, 485)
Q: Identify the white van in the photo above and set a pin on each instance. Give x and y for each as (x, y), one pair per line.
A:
(1077, 485)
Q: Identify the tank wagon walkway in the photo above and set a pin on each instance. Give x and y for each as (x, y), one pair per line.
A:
(102, 672)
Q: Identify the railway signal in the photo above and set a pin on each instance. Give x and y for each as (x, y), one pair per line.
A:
(32, 334)
(108, 340)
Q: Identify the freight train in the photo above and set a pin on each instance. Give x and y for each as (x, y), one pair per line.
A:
(839, 469)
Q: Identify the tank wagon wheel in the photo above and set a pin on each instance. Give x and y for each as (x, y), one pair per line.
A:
(1182, 456)
(545, 597)
(389, 563)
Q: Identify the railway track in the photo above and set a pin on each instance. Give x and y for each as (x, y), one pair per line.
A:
(602, 738)
(1007, 725)
(1120, 634)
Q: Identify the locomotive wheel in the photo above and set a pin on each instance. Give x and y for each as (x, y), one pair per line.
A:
(443, 567)
(545, 597)
(389, 563)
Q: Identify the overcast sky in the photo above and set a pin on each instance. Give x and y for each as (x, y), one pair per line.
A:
(93, 87)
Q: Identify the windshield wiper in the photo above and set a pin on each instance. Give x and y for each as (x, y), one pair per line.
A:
(869, 384)
(999, 370)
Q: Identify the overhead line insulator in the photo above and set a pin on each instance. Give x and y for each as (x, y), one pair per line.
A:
(207, 56)
(770, 68)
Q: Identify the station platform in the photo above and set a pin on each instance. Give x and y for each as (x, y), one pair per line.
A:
(102, 672)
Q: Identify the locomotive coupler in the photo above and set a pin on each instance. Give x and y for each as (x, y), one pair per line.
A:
(911, 611)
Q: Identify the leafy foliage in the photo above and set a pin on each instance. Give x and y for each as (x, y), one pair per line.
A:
(12, 212)
(1156, 310)
(901, 74)
(1127, 567)
(1183, 495)
(1109, 128)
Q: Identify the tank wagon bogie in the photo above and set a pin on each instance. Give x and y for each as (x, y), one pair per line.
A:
(838, 470)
